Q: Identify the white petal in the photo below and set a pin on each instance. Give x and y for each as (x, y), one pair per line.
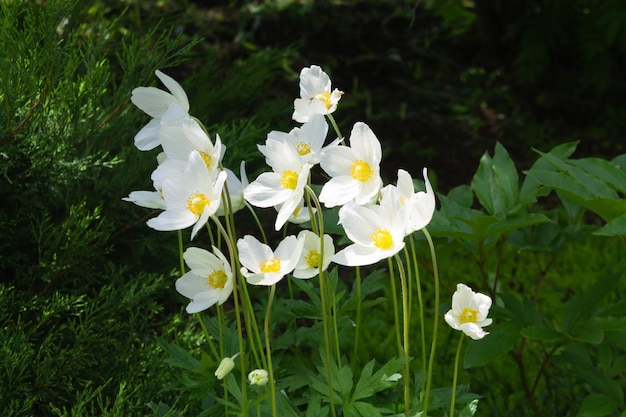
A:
(151, 100)
(172, 220)
(357, 255)
(338, 191)
(175, 88)
(148, 137)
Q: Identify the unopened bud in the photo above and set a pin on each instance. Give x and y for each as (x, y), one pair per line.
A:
(258, 377)
(226, 365)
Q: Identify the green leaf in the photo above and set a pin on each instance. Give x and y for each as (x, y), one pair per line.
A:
(516, 222)
(366, 409)
(615, 227)
(597, 405)
(497, 343)
(531, 188)
(369, 384)
(470, 409)
(587, 332)
(606, 171)
(179, 356)
(496, 183)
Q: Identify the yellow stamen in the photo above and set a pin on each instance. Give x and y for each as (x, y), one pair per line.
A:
(197, 203)
(325, 98)
(360, 170)
(270, 265)
(382, 239)
(303, 148)
(313, 258)
(289, 180)
(468, 315)
(206, 158)
(217, 279)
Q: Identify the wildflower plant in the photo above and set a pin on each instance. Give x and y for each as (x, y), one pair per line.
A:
(381, 231)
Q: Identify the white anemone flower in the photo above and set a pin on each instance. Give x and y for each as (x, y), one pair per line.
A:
(355, 170)
(469, 312)
(284, 186)
(258, 377)
(316, 96)
(180, 138)
(311, 262)
(191, 198)
(418, 208)
(147, 199)
(261, 265)
(158, 104)
(377, 233)
(300, 215)
(209, 282)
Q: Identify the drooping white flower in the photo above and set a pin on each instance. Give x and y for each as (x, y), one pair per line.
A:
(355, 170)
(209, 281)
(377, 233)
(284, 186)
(261, 265)
(469, 312)
(160, 105)
(311, 262)
(226, 365)
(316, 96)
(417, 208)
(258, 377)
(191, 198)
(181, 138)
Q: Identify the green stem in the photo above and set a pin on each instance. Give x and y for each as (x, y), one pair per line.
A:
(180, 252)
(334, 124)
(421, 311)
(396, 314)
(456, 372)
(433, 347)
(209, 339)
(358, 318)
(266, 329)
(405, 328)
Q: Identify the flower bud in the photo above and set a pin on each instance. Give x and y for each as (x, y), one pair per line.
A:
(258, 377)
(226, 365)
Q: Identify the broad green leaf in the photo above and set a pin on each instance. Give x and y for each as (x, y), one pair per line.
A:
(501, 338)
(496, 183)
(598, 405)
(562, 182)
(180, 357)
(541, 333)
(615, 227)
(607, 208)
(366, 409)
(531, 188)
(604, 170)
(586, 332)
(525, 312)
(516, 222)
(609, 324)
(369, 384)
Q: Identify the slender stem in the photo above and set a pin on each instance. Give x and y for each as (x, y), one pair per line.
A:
(180, 252)
(266, 329)
(456, 371)
(396, 314)
(405, 328)
(433, 346)
(355, 350)
(209, 339)
(421, 311)
(334, 124)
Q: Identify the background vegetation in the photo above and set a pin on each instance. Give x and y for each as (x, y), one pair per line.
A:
(86, 289)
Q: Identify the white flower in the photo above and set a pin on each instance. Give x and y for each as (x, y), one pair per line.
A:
(225, 366)
(235, 190)
(417, 208)
(284, 186)
(191, 198)
(354, 170)
(261, 265)
(307, 140)
(377, 233)
(183, 137)
(148, 199)
(258, 377)
(208, 282)
(300, 214)
(311, 260)
(469, 312)
(158, 104)
(315, 95)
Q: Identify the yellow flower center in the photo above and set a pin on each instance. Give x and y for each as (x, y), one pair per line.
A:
(217, 279)
(402, 201)
(289, 180)
(206, 158)
(360, 170)
(382, 239)
(197, 203)
(468, 315)
(270, 265)
(313, 258)
(303, 148)
(325, 98)
(296, 211)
